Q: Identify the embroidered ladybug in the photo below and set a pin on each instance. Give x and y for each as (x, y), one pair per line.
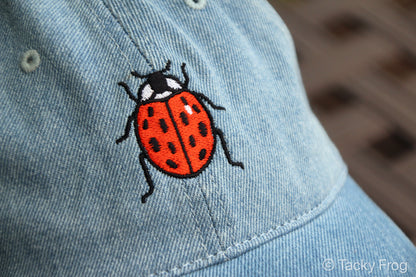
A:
(173, 127)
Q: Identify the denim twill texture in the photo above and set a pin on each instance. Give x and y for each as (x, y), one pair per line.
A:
(70, 197)
(352, 230)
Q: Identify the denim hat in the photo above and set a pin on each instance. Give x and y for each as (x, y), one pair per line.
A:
(165, 138)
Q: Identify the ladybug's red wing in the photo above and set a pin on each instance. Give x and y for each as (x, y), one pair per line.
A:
(194, 127)
(159, 138)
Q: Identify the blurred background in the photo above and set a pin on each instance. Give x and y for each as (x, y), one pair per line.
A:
(358, 63)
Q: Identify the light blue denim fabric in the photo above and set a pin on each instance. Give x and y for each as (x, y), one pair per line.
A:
(352, 238)
(70, 196)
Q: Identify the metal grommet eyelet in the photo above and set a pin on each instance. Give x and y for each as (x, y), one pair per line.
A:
(30, 61)
(196, 4)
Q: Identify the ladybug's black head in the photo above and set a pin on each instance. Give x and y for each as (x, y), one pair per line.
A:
(158, 85)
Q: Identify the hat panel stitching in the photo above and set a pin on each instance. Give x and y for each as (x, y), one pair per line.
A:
(320, 205)
(220, 242)
(109, 35)
(113, 39)
(195, 219)
(230, 224)
(224, 252)
(222, 205)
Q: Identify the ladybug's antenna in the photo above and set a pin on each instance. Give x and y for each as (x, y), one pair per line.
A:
(167, 67)
(185, 75)
(137, 75)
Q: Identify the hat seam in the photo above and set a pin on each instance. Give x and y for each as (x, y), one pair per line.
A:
(191, 207)
(220, 242)
(109, 34)
(320, 207)
(227, 219)
(125, 31)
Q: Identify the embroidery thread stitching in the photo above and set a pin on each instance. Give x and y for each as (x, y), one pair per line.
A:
(194, 218)
(163, 118)
(127, 33)
(261, 235)
(109, 34)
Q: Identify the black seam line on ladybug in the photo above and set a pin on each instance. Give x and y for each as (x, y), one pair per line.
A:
(179, 136)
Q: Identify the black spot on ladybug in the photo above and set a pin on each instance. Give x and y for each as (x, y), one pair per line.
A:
(196, 109)
(172, 147)
(202, 153)
(145, 124)
(171, 163)
(203, 129)
(163, 125)
(192, 141)
(155, 144)
(184, 118)
(184, 101)
(150, 111)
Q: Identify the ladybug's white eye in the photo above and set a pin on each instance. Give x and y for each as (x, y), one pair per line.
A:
(163, 95)
(147, 92)
(173, 84)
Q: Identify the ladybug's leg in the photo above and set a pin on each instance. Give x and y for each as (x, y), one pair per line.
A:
(167, 67)
(127, 89)
(206, 99)
(185, 75)
(226, 151)
(126, 130)
(147, 176)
